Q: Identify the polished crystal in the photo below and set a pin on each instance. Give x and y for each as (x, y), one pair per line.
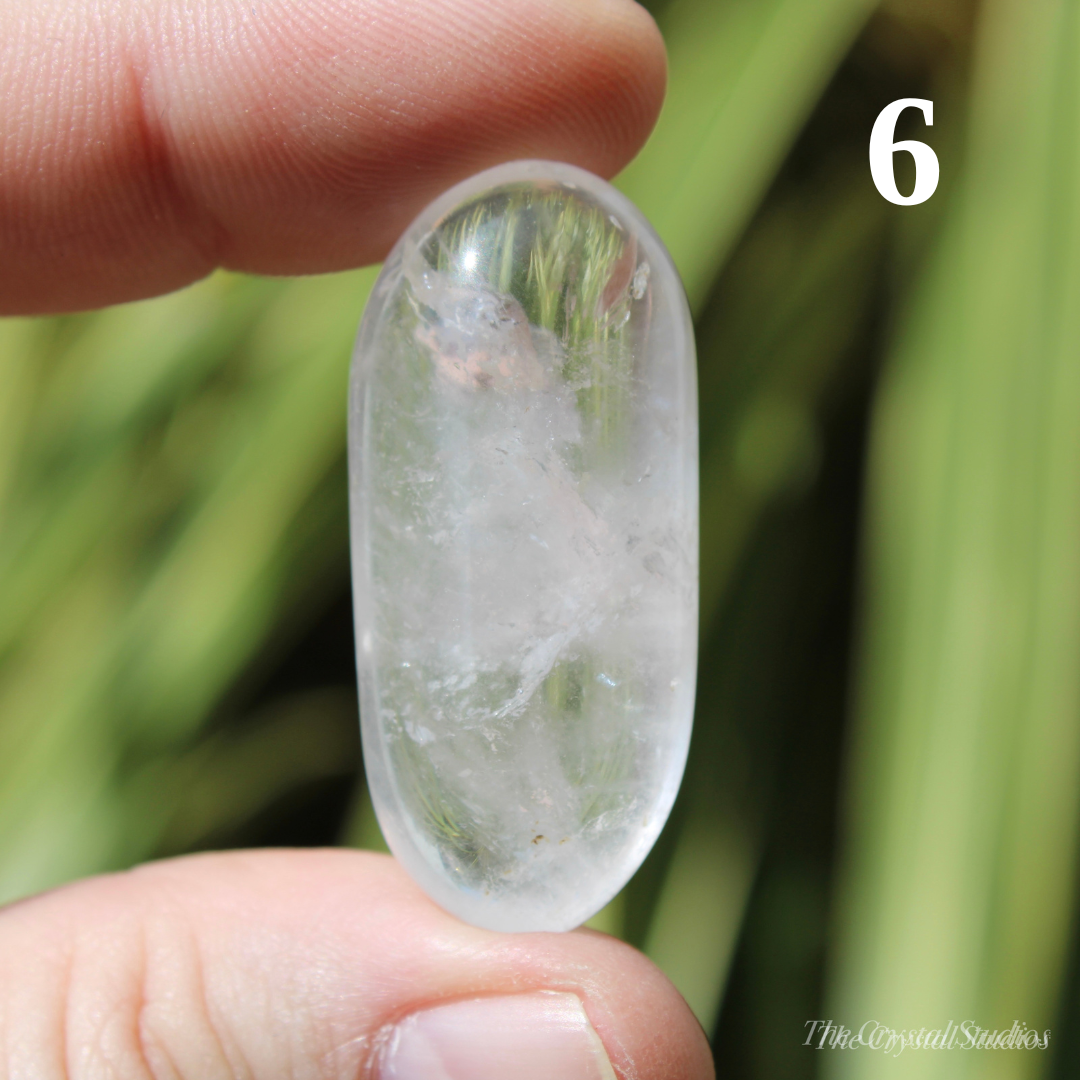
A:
(523, 480)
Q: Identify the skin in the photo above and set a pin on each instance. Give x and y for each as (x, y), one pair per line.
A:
(288, 963)
(142, 144)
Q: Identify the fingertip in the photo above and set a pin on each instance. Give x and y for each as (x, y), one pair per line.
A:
(447, 88)
(629, 84)
(287, 138)
(318, 958)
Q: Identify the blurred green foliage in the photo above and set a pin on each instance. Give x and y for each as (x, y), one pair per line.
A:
(170, 482)
(173, 525)
(958, 894)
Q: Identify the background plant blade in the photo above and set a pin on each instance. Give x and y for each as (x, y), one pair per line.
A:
(964, 775)
(165, 552)
(743, 76)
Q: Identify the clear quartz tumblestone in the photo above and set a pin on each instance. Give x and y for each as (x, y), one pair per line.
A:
(524, 507)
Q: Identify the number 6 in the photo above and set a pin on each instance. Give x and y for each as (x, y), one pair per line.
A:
(882, 149)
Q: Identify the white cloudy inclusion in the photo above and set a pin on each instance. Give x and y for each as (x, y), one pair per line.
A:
(523, 461)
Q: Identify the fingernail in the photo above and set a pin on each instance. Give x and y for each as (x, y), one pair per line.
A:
(518, 1037)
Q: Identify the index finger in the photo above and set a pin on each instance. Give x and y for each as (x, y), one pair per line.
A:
(145, 142)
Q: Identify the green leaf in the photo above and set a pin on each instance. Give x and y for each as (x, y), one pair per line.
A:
(965, 774)
(744, 75)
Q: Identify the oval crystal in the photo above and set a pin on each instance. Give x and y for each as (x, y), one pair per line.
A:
(524, 511)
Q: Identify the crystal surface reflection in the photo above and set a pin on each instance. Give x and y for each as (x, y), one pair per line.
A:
(523, 483)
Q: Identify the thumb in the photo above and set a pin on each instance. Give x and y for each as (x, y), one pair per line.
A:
(329, 965)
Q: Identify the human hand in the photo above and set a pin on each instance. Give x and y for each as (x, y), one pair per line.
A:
(322, 965)
(142, 145)
(144, 142)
